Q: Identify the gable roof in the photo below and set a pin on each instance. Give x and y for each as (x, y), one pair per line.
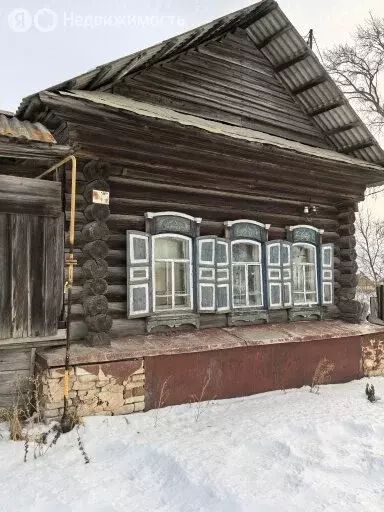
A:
(295, 64)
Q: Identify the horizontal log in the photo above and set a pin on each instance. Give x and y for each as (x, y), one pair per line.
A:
(347, 242)
(346, 229)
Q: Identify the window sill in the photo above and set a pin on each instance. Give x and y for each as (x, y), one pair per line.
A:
(172, 319)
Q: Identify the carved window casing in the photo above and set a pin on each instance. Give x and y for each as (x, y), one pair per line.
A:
(174, 274)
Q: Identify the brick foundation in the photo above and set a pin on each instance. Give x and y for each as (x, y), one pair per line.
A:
(95, 389)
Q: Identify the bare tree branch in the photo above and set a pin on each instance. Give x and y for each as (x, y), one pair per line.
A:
(369, 246)
(358, 68)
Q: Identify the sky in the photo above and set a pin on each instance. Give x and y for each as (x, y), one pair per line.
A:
(43, 43)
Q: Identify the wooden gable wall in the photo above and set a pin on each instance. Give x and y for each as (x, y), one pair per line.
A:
(228, 80)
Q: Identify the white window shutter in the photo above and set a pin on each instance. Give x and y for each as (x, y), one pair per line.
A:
(287, 273)
(139, 274)
(223, 276)
(279, 274)
(274, 274)
(326, 274)
(206, 274)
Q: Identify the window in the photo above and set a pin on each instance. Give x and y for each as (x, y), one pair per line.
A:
(246, 274)
(304, 274)
(172, 286)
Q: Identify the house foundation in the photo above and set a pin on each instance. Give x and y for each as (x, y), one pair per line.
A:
(153, 371)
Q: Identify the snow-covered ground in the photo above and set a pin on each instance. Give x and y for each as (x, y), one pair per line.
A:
(279, 451)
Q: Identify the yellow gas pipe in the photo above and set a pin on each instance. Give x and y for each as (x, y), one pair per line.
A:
(70, 262)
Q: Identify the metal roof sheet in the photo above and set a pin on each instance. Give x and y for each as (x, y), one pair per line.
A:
(16, 129)
(296, 65)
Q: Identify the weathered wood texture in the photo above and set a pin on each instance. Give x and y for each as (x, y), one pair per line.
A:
(94, 236)
(226, 80)
(15, 376)
(94, 273)
(30, 196)
(31, 275)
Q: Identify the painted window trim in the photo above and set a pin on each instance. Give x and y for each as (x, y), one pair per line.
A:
(279, 284)
(134, 279)
(292, 228)
(261, 269)
(207, 285)
(328, 283)
(132, 253)
(314, 247)
(152, 215)
(146, 287)
(202, 241)
(323, 249)
(269, 247)
(191, 283)
(201, 270)
(230, 223)
(228, 306)
(226, 245)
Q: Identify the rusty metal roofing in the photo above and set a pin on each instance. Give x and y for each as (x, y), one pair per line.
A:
(295, 64)
(14, 128)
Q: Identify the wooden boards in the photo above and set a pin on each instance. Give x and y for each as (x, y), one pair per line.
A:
(30, 196)
(31, 275)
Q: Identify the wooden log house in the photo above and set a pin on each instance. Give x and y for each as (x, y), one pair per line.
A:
(234, 167)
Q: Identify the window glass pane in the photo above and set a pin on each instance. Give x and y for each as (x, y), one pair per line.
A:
(310, 278)
(243, 252)
(181, 278)
(254, 285)
(163, 283)
(285, 254)
(274, 254)
(222, 253)
(303, 254)
(299, 297)
(171, 248)
(298, 278)
(239, 286)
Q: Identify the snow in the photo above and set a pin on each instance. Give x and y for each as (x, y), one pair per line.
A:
(275, 452)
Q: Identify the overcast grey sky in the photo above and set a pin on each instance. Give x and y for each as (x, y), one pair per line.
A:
(69, 37)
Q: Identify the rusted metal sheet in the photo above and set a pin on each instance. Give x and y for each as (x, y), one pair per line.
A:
(16, 129)
(246, 371)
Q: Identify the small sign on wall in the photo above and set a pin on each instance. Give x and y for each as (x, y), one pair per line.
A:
(100, 197)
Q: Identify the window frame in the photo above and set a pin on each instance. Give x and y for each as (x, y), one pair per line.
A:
(191, 281)
(315, 249)
(261, 266)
